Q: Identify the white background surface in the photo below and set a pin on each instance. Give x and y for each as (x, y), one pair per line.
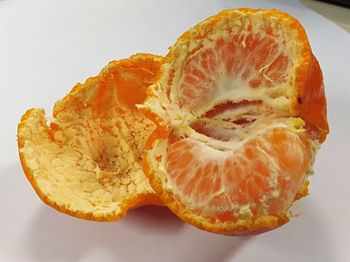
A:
(48, 46)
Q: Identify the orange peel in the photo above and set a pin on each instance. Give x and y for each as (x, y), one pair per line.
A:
(87, 161)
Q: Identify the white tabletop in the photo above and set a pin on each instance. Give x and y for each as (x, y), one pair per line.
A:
(48, 46)
(337, 13)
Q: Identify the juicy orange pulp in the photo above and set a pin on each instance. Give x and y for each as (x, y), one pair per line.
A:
(240, 109)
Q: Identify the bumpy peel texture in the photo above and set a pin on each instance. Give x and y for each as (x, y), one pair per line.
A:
(86, 160)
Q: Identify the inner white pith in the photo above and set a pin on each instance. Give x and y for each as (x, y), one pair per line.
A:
(89, 162)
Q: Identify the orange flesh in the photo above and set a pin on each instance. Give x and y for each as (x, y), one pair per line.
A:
(256, 60)
(240, 109)
(245, 177)
(229, 57)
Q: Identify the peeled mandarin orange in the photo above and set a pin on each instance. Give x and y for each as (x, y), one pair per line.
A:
(87, 161)
(240, 110)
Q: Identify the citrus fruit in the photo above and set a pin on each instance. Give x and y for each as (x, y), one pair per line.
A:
(240, 110)
(86, 160)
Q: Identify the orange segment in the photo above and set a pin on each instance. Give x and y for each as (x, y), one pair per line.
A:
(238, 122)
(240, 57)
(270, 167)
(87, 161)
